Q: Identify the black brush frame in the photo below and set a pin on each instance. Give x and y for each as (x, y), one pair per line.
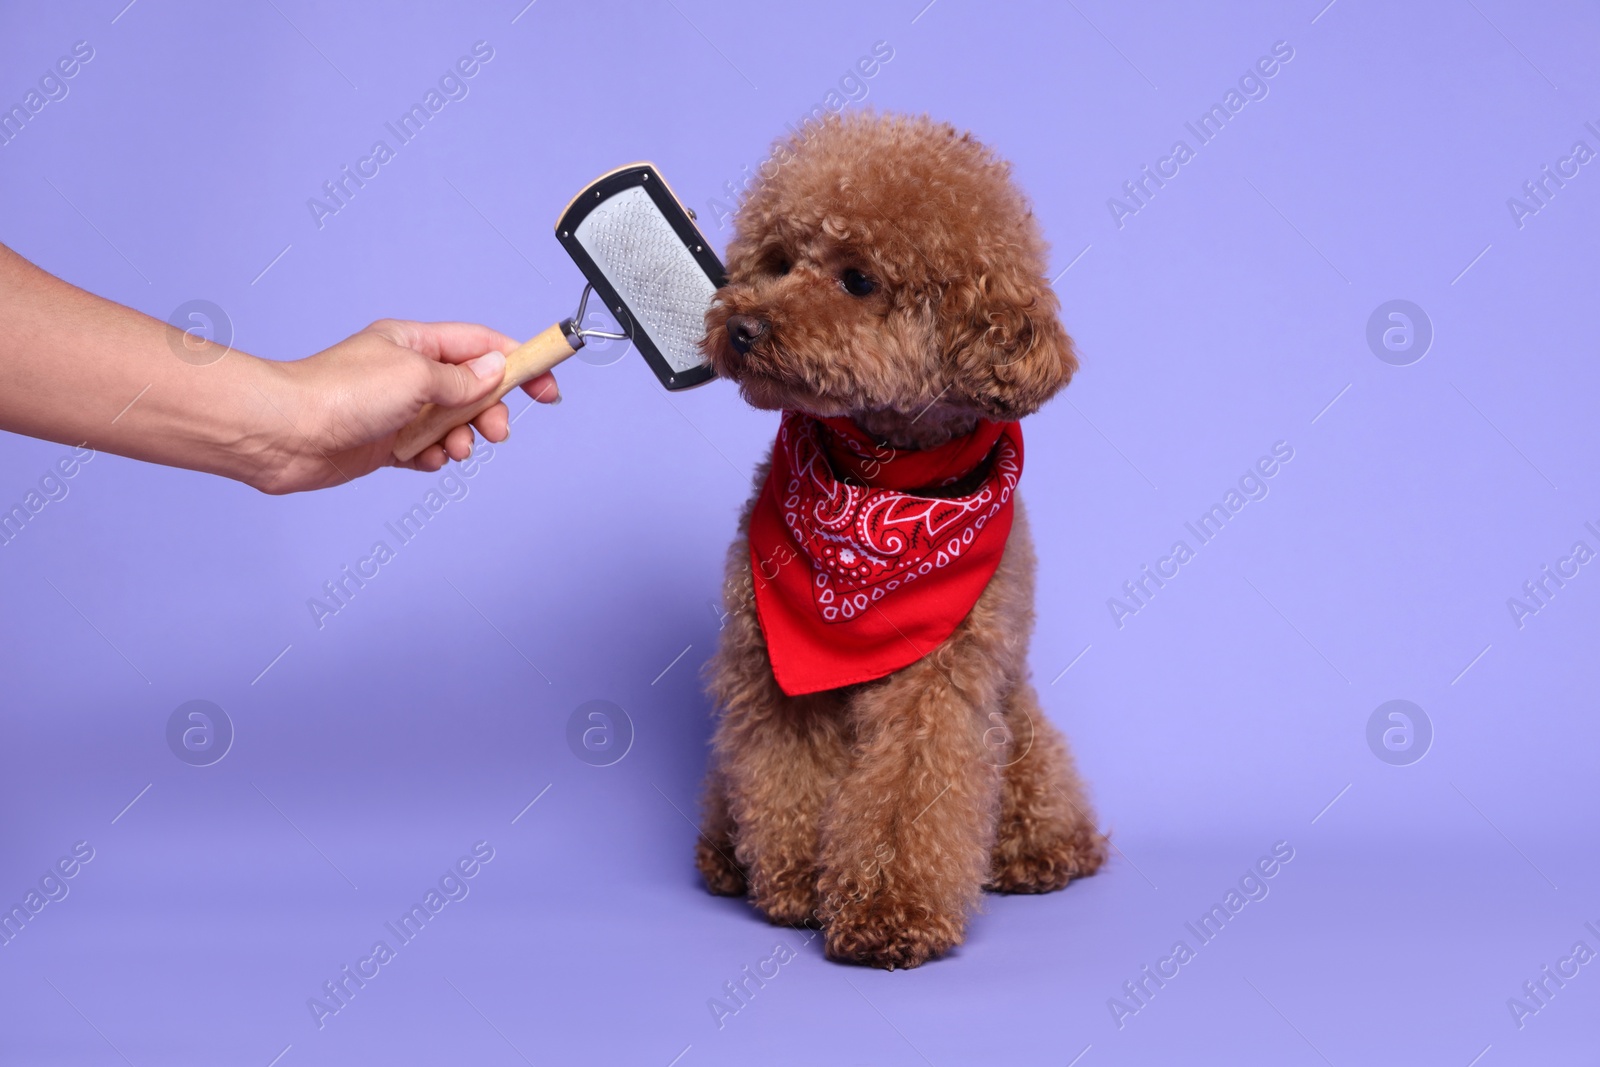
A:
(598, 192)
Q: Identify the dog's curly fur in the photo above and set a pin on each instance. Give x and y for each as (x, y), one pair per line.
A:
(879, 811)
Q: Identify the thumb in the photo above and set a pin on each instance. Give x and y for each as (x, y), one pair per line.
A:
(452, 385)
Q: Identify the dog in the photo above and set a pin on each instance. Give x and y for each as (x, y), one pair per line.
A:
(879, 756)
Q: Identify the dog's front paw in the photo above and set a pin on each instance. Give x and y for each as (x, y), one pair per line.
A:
(871, 923)
(1048, 865)
(883, 932)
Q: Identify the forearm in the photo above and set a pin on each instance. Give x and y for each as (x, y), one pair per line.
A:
(125, 389)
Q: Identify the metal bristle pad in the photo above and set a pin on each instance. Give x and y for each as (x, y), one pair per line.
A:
(649, 266)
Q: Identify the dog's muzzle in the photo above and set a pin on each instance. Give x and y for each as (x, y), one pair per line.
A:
(744, 331)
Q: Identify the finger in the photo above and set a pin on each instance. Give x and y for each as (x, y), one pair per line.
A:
(458, 443)
(543, 389)
(494, 424)
(449, 342)
(452, 385)
(428, 460)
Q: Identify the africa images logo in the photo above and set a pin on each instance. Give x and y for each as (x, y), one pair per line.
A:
(1252, 85)
(452, 86)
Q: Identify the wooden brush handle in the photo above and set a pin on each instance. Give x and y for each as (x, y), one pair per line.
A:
(525, 364)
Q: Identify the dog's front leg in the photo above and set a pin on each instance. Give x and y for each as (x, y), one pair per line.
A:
(777, 758)
(908, 832)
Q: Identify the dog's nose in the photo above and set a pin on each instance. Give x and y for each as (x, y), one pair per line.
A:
(744, 331)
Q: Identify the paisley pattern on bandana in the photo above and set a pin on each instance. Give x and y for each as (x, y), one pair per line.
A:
(865, 543)
(873, 578)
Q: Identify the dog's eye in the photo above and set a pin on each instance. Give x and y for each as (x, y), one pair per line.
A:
(856, 284)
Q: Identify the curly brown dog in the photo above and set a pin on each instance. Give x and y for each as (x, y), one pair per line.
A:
(886, 291)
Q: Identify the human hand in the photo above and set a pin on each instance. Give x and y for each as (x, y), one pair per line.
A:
(279, 427)
(343, 407)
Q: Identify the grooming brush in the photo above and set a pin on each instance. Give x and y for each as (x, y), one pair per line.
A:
(639, 249)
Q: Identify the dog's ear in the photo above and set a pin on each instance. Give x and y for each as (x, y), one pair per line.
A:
(1009, 352)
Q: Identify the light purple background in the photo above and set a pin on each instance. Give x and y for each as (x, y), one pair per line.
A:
(1226, 315)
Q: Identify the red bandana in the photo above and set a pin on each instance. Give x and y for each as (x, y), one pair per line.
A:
(855, 579)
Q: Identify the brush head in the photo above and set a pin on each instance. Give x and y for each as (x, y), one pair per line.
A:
(640, 249)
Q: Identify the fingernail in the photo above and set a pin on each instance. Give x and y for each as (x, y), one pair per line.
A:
(489, 365)
(557, 400)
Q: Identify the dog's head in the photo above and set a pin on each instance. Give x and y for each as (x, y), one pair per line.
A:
(887, 265)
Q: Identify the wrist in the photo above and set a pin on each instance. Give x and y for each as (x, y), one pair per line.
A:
(274, 437)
